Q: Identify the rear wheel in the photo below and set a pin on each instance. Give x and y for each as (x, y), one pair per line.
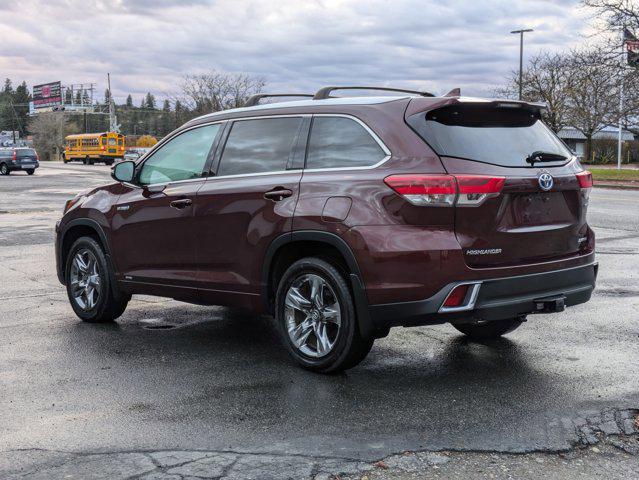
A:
(316, 316)
(108, 162)
(489, 330)
(90, 290)
(4, 170)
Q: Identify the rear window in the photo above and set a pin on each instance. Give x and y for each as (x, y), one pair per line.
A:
(26, 153)
(499, 136)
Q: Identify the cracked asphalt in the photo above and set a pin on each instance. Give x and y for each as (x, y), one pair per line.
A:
(177, 391)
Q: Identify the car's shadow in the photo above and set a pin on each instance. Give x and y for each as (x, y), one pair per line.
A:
(221, 366)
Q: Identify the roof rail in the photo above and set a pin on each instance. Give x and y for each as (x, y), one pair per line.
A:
(325, 92)
(255, 99)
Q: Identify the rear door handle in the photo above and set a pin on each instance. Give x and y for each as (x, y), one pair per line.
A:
(182, 203)
(278, 193)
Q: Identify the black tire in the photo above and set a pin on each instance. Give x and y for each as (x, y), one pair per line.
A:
(4, 170)
(489, 330)
(108, 163)
(31, 171)
(64, 158)
(110, 303)
(87, 160)
(349, 347)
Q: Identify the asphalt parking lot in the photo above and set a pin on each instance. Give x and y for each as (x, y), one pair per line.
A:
(175, 390)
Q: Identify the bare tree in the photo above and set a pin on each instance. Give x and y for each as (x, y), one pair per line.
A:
(49, 130)
(544, 79)
(616, 14)
(592, 94)
(214, 91)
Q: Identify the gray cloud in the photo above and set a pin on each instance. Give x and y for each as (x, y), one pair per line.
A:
(147, 45)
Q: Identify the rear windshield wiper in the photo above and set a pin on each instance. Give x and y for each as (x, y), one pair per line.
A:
(540, 156)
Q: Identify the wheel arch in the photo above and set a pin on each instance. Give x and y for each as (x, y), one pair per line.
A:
(75, 229)
(289, 247)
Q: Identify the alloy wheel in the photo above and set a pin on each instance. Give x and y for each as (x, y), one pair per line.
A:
(85, 281)
(312, 314)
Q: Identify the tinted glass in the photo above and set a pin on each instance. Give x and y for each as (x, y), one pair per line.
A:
(26, 153)
(341, 142)
(500, 136)
(181, 158)
(256, 146)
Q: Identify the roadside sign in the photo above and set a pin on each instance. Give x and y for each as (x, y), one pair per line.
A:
(47, 95)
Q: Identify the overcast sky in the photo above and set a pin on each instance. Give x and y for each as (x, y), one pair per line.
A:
(296, 45)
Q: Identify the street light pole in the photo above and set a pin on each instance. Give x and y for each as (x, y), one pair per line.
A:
(521, 56)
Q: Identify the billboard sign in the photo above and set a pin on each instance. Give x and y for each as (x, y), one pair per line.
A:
(47, 95)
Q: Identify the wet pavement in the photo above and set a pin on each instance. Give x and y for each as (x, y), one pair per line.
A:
(215, 386)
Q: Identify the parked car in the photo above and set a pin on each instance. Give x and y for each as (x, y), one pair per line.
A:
(133, 154)
(343, 217)
(18, 158)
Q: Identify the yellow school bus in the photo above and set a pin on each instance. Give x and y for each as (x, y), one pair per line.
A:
(94, 147)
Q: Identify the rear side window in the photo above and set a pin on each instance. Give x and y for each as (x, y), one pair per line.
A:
(340, 142)
(499, 136)
(259, 146)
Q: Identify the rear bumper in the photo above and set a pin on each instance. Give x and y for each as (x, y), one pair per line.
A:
(18, 166)
(496, 299)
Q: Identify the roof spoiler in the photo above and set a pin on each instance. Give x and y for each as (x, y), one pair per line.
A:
(255, 99)
(325, 92)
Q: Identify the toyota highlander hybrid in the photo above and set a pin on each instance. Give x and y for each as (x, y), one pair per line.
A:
(343, 217)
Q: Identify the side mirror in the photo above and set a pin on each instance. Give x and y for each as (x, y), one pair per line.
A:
(123, 171)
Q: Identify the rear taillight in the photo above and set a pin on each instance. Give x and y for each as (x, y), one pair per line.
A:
(433, 190)
(474, 189)
(585, 179)
(585, 184)
(14, 157)
(446, 190)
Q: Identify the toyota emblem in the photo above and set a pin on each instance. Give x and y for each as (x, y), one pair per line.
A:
(545, 181)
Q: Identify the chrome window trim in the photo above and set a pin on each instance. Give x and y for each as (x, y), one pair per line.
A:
(379, 141)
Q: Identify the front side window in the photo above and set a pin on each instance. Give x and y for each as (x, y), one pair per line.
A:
(340, 142)
(259, 146)
(181, 158)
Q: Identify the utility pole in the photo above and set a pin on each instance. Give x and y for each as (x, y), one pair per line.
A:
(621, 99)
(521, 56)
(113, 121)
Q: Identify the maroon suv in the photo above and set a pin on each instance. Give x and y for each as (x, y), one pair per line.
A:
(342, 217)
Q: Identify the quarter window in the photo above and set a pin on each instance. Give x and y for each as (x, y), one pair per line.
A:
(261, 145)
(181, 158)
(340, 142)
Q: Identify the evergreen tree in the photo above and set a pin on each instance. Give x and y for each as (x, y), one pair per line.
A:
(129, 101)
(149, 101)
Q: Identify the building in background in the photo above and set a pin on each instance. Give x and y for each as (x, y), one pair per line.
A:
(576, 140)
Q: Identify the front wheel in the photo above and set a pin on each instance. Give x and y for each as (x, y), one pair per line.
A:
(316, 316)
(31, 171)
(489, 330)
(90, 290)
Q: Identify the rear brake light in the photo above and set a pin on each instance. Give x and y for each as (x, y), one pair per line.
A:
(434, 190)
(457, 296)
(585, 179)
(444, 190)
(14, 157)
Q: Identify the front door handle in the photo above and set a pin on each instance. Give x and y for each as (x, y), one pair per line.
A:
(182, 203)
(278, 193)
